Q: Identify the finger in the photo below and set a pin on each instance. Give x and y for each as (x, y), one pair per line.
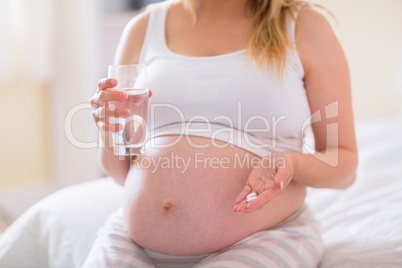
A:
(97, 113)
(116, 112)
(279, 180)
(121, 112)
(266, 196)
(242, 196)
(241, 207)
(262, 199)
(109, 95)
(136, 100)
(106, 83)
(282, 177)
(103, 127)
(258, 203)
(257, 182)
(93, 103)
(104, 112)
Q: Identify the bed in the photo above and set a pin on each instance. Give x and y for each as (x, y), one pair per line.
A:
(362, 226)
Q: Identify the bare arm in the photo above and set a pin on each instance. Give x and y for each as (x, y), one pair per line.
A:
(128, 52)
(328, 89)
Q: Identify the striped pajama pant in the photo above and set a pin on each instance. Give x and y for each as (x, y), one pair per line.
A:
(296, 242)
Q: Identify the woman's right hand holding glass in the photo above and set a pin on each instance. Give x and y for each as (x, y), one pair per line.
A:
(102, 110)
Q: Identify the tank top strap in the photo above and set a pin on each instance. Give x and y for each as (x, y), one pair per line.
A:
(155, 34)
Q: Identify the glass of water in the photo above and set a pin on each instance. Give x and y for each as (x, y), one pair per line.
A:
(133, 80)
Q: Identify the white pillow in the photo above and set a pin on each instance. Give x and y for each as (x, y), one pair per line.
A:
(59, 230)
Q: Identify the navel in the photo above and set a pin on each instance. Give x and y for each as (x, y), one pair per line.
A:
(168, 205)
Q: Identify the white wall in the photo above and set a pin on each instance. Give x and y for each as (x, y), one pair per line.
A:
(49, 63)
(76, 67)
(371, 35)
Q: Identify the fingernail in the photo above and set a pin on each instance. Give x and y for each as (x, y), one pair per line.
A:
(113, 82)
(123, 95)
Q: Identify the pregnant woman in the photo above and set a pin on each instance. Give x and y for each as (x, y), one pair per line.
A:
(235, 83)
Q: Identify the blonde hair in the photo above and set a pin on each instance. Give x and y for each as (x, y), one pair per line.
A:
(267, 39)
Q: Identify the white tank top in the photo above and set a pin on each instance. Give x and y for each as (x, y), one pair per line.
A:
(224, 97)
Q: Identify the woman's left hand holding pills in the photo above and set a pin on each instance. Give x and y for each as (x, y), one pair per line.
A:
(267, 180)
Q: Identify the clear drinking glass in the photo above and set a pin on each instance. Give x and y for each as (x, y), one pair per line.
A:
(133, 80)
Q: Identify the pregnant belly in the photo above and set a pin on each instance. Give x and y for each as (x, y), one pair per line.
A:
(179, 200)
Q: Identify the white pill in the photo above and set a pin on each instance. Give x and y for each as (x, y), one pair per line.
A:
(251, 195)
(251, 199)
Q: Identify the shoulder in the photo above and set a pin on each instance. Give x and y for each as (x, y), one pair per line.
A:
(313, 26)
(139, 23)
(133, 36)
(314, 37)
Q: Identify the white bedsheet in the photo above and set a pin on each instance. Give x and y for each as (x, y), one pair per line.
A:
(362, 225)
